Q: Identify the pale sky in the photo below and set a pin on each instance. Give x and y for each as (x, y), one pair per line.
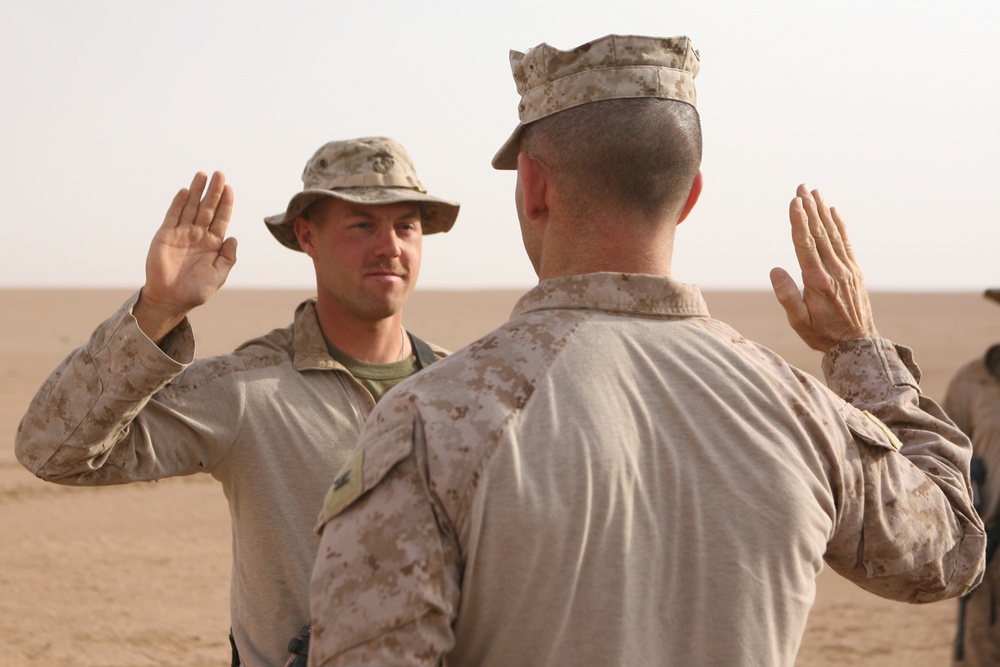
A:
(891, 107)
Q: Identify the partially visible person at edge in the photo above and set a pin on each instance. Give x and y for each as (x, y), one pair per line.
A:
(613, 477)
(275, 419)
(972, 400)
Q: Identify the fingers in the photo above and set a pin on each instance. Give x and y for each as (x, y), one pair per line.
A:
(173, 215)
(833, 305)
(834, 248)
(189, 211)
(223, 212)
(845, 242)
(209, 204)
(211, 211)
(821, 226)
(832, 261)
(808, 250)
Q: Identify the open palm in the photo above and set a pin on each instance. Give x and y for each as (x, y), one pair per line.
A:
(190, 257)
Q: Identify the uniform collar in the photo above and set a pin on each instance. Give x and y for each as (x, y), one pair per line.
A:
(616, 292)
(308, 343)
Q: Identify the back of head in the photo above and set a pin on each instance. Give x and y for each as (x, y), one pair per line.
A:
(614, 118)
(636, 154)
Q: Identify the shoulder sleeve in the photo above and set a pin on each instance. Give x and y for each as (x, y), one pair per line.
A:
(384, 589)
(359, 475)
(906, 525)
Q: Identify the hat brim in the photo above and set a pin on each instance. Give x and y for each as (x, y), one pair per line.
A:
(436, 215)
(506, 157)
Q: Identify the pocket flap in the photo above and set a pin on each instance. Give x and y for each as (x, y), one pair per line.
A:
(870, 429)
(366, 468)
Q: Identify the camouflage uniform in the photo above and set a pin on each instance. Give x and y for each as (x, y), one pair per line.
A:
(273, 421)
(615, 478)
(973, 402)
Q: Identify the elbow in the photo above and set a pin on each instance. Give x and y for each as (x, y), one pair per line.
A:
(958, 573)
(29, 455)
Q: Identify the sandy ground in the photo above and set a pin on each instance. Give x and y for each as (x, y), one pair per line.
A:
(139, 574)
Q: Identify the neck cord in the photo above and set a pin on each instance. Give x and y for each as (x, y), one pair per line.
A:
(402, 343)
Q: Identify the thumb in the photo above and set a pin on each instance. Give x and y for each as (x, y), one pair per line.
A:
(782, 284)
(227, 254)
(788, 295)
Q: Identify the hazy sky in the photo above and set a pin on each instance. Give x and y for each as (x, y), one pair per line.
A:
(890, 107)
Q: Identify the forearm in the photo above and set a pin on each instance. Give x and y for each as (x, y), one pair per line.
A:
(921, 539)
(87, 405)
(881, 378)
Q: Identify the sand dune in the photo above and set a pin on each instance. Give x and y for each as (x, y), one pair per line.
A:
(139, 574)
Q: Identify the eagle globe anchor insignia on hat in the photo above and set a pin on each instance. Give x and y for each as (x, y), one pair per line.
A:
(612, 67)
(369, 170)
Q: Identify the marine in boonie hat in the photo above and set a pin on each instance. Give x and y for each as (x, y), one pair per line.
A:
(369, 170)
(612, 67)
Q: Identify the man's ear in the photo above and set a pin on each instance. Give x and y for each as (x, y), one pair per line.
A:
(534, 179)
(693, 195)
(305, 232)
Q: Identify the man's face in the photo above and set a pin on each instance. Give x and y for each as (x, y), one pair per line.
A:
(367, 257)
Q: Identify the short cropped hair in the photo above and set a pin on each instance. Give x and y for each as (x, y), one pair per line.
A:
(640, 154)
(315, 211)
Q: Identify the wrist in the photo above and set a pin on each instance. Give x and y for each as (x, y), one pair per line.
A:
(155, 318)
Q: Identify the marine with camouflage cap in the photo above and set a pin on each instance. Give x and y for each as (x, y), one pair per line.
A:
(274, 420)
(972, 400)
(613, 477)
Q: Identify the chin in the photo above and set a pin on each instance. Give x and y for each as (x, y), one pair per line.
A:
(382, 309)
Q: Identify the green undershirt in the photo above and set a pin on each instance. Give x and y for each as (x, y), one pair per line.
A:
(376, 378)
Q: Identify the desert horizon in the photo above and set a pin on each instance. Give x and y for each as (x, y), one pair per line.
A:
(139, 574)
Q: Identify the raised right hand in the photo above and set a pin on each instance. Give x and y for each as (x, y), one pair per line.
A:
(189, 258)
(833, 305)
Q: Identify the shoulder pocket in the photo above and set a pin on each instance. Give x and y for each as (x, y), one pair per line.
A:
(870, 429)
(366, 468)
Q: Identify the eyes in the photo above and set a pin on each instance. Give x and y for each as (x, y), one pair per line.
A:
(405, 226)
(403, 218)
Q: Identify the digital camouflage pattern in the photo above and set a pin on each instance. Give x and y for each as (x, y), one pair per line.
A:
(273, 421)
(616, 66)
(369, 170)
(613, 477)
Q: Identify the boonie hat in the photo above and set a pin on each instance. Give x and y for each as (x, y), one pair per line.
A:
(612, 67)
(369, 170)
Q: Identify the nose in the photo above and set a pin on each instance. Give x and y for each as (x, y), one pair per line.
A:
(388, 244)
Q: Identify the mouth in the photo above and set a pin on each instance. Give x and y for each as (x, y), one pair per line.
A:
(386, 275)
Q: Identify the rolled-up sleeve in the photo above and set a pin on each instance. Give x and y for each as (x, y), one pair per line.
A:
(906, 526)
(95, 419)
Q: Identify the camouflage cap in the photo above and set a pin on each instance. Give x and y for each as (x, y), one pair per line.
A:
(369, 170)
(612, 67)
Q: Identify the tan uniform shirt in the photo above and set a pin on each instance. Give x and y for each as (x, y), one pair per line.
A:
(973, 401)
(614, 478)
(273, 421)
